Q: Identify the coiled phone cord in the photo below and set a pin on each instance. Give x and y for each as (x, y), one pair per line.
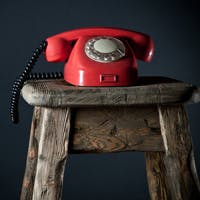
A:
(27, 75)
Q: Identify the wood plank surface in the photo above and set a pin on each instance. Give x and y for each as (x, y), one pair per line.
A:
(114, 129)
(147, 91)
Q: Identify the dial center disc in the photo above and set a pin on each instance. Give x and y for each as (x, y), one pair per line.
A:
(105, 45)
(104, 49)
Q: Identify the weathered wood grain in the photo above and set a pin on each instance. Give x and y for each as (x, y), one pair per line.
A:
(156, 175)
(94, 130)
(53, 129)
(178, 159)
(32, 156)
(111, 119)
(155, 90)
(112, 129)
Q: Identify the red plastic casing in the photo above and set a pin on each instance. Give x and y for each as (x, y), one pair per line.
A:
(80, 70)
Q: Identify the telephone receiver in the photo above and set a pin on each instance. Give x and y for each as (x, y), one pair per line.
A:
(98, 56)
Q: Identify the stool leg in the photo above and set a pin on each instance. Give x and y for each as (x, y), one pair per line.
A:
(177, 164)
(32, 155)
(156, 175)
(52, 153)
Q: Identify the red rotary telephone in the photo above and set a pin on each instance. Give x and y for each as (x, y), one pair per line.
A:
(93, 57)
(100, 56)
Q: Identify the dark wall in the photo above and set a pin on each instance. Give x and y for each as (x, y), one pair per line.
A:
(174, 26)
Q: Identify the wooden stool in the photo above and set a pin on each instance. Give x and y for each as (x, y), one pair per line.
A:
(148, 117)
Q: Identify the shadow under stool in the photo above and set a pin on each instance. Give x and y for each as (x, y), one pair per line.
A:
(148, 117)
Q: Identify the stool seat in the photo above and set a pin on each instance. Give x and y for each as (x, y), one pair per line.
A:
(148, 117)
(147, 90)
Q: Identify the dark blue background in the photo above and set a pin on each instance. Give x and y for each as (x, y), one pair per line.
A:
(174, 27)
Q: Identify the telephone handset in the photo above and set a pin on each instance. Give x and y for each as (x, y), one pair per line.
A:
(93, 57)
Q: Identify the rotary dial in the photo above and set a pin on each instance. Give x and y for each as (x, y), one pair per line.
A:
(104, 49)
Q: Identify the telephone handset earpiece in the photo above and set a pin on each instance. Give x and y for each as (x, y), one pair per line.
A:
(93, 57)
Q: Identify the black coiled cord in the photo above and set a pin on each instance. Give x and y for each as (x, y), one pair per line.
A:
(27, 75)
